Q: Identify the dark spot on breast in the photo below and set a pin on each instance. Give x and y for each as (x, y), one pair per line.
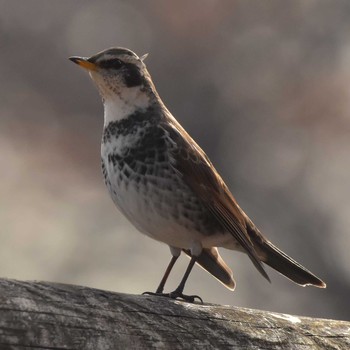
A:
(126, 173)
(142, 169)
(151, 154)
(114, 159)
(161, 157)
(136, 178)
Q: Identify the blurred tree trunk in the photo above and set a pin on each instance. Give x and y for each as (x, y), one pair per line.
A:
(44, 315)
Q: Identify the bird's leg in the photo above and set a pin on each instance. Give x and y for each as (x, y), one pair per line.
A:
(160, 288)
(177, 293)
(166, 275)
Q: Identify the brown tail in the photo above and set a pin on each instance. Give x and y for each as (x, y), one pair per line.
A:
(287, 266)
(211, 261)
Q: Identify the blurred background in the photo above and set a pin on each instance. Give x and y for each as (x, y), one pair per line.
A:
(264, 87)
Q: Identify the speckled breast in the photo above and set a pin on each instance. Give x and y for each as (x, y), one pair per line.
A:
(141, 176)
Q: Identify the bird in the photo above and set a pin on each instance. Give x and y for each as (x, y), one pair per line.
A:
(165, 184)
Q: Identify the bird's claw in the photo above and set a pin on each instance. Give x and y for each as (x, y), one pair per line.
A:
(176, 295)
(157, 294)
(189, 298)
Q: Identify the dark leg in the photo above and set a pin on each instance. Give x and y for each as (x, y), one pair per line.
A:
(166, 274)
(160, 288)
(177, 293)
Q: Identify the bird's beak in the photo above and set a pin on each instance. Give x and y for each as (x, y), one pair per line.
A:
(84, 62)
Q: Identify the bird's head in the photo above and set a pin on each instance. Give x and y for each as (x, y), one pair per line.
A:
(121, 78)
(114, 69)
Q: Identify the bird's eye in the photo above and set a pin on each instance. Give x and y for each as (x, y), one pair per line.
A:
(113, 63)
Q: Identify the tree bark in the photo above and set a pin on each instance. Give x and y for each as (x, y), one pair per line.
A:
(42, 315)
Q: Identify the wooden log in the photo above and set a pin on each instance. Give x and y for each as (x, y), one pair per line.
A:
(42, 315)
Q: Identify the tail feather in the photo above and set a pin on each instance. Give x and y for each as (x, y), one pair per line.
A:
(211, 261)
(287, 266)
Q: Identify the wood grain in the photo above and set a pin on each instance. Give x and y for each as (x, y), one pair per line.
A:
(42, 315)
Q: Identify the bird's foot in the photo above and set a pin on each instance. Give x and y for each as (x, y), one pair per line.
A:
(157, 294)
(176, 295)
(189, 298)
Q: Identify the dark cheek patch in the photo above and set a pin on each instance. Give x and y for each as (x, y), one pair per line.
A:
(132, 76)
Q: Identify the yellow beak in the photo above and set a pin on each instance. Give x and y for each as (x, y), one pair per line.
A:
(83, 62)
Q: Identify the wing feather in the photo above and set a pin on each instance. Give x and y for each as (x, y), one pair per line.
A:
(200, 175)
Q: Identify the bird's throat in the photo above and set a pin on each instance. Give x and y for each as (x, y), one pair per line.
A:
(123, 104)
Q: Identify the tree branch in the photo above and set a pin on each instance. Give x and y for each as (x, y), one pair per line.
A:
(44, 315)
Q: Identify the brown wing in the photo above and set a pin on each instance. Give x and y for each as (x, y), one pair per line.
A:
(200, 175)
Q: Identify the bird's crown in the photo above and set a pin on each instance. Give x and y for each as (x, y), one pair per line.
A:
(115, 57)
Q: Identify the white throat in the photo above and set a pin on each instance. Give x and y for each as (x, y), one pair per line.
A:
(124, 103)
